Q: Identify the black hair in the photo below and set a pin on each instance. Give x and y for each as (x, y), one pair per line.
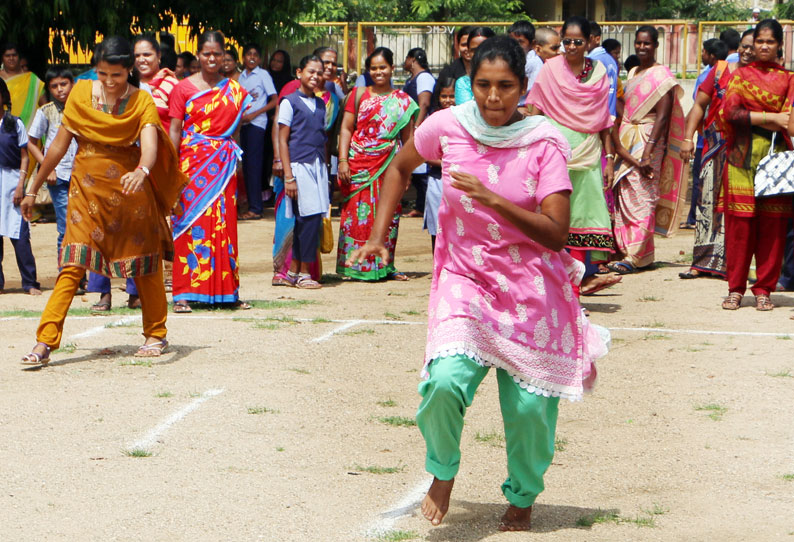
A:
(716, 48)
(480, 32)
(731, 38)
(284, 76)
(57, 71)
(167, 40)
(580, 22)
(11, 46)
(187, 57)
(320, 51)
(630, 62)
(523, 28)
(774, 26)
(215, 36)
(650, 30)
(595, 29)
(9, 121)
(505, 48)
(385, 52)
(462, 31)
(610, 44)
(149, 39)
(748, 32)
(116, 51)
(167, 57)
(441, 84)
(308, 58)
(248, 46)
(232, 53)
(287, 61)
(420, 56)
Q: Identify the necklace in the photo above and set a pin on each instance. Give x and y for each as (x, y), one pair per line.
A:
(105, 106)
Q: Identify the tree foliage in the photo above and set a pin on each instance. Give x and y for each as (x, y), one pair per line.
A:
(695, 10)
(417, 10)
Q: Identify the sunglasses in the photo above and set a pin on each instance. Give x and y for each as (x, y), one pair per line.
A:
(577, 42)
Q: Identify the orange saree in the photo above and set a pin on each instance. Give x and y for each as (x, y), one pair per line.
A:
(107, 232)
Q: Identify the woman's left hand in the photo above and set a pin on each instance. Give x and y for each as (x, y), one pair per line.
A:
(132, 181)
(609, 173)
(291, 189)
(19, 194)
(472, 186)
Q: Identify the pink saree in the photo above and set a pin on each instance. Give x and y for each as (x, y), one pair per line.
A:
(644, 206)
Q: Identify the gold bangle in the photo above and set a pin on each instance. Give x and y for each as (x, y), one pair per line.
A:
(764, 116)
(342, 160)
(688, 140)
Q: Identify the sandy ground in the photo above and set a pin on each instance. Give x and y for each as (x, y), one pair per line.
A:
(282, 423)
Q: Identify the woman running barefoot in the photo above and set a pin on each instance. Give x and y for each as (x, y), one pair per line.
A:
(501, 294)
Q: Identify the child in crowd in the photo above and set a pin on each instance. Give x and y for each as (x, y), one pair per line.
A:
(58, 82)
(301, 132)
(443, 98)
(13, 172)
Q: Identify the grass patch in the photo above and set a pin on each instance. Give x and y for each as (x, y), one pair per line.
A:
(320, 320)
(280, 449)
(648, 298)
(19, 313)
(599, 516)
(397, 536)
(136, 363)
(374, 469)
(66, 349)
(560, 443)
(300, 371)
(392, 316)
(397, 421)
(787, 477)
(783, 337)
(657, 337)
(360, 331)
(261, 410)
(387, 403)
(715, 411)
(330, 278)
(494, 438)
(655, 324)
(640, 521)
(398, 294)
(280, 303)
(164, 394)
(656, 510)
(412, 313)
(684, 258)
(194, 394)
(781, 374)
(138, 452)
(86, 311)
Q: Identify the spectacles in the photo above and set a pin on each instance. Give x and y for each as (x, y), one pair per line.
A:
(577, 42)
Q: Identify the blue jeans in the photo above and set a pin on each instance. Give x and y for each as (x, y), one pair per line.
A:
(59, 192)
(101, 284)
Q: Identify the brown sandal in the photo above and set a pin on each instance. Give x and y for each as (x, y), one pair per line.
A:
(763, 303)
(733, 301)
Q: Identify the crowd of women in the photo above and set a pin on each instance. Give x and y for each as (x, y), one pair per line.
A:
(541, 176)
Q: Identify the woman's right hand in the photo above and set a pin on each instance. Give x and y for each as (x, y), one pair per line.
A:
(278, 168)
(26, 207)
(370, 248)
(343, 173)
(686, 150)
(781, 119)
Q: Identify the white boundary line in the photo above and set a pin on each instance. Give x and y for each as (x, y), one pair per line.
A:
(701, 331)
(334, 331)
(403, 508)
(96, 330)
(151, 437)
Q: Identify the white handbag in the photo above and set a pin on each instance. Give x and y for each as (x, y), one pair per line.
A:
(775, 173)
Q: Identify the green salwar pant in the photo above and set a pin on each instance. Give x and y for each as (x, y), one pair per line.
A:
(530, 422)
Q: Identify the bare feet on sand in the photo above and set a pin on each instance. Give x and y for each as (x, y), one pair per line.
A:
(436, 502)
(516, 519)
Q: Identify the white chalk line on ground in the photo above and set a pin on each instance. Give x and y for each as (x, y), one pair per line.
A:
(405, 507)
(151, 437)
(334, 331)
(95, 330)
(702, 331)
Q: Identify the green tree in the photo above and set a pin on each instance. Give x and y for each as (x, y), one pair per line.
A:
(697, 10)
(79, 21)
(417, 10)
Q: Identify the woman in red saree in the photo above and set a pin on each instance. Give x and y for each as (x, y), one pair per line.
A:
(205, 112)
(756, 109)
(369, 140)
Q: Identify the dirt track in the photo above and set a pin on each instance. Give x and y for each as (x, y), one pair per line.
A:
(281, 448)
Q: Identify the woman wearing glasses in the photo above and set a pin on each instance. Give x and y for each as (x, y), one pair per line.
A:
(648, 180)
(572, 90)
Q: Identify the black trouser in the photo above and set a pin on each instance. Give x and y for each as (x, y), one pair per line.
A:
(25, 260)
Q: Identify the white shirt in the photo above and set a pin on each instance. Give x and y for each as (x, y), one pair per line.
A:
(46, 123)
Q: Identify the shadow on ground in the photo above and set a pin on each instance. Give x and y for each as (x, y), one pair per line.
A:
(472, 522)
(119, 353)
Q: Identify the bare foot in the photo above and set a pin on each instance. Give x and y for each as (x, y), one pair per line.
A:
(516, 519)
(34, 291)
(436, 502)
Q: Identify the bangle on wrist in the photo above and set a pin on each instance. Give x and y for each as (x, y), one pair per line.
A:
(144, 169)
(688, 140)
(31, 194)
(290, 180)
(342, 160)
(764, 116)
(610, 155)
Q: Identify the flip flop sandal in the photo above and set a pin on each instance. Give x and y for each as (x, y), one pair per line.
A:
(102, 306)
(134, 302)
(688, 275)
(763, 303)
(182, 308)
(34, 358)
(154, 350)
(306, 282)
(733, 301)
(622, 268)
(398, 276)
(281, 280)
(242, 306)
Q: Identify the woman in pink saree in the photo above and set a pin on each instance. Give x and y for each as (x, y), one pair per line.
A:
(650, 174)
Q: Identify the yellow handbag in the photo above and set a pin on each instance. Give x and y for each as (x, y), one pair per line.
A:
(327, 240)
